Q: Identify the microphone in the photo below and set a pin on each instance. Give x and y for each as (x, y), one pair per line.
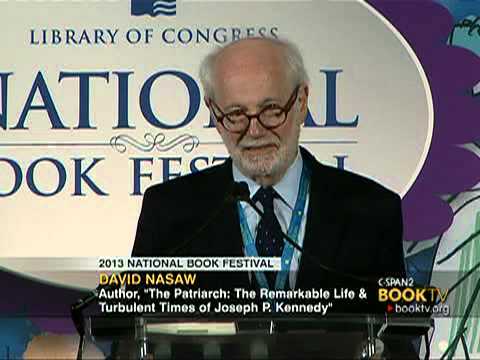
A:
(241, 192)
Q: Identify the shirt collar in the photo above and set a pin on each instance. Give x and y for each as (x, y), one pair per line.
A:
(287, 187)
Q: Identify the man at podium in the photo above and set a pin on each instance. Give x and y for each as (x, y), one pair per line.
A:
(257, 92)
(347, 228)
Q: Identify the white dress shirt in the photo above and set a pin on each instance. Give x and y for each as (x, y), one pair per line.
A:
(287, 188)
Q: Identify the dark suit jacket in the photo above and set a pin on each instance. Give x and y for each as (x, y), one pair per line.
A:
(354, 225)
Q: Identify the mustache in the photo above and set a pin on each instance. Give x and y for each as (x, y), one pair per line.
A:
(250, 143)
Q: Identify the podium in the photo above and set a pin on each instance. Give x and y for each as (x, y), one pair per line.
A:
(336, 337)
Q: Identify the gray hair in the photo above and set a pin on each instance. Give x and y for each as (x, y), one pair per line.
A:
(292, 56)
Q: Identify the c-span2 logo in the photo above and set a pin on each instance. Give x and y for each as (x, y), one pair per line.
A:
(154, 7)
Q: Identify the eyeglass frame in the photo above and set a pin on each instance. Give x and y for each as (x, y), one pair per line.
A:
(285, 110)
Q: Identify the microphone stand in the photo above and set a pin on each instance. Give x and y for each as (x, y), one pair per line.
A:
(76, 313)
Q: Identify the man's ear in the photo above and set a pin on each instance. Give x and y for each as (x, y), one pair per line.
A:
(303, 101)
(206, 100)
(303, 97)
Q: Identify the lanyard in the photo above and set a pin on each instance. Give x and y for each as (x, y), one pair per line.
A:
(293, 230)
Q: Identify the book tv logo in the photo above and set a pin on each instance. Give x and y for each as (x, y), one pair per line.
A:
(410, 300)
(154, 7)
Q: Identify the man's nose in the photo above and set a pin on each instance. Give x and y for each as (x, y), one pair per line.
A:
(255, 129)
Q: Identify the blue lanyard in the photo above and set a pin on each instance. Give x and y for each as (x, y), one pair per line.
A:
(293, 230)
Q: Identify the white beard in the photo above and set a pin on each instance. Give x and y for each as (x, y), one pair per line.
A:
(273, 164)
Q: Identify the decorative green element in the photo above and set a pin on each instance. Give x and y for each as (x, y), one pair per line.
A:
(453, 344)
(476, 320)
(467, 34)
(465, 349)
(470, 255)
(459, 247)
(465, 319)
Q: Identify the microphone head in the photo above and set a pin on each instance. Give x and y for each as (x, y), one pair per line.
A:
(240, 191)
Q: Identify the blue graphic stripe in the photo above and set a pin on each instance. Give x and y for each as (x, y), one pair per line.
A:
(165, 13)
(164, 6)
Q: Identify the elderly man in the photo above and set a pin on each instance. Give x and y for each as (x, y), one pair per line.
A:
(257, 91)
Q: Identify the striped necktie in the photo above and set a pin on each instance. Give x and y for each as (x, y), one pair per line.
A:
(269, 238)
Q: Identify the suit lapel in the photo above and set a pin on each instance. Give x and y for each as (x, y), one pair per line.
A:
(222, 237)
(224, 233)
(322, 232)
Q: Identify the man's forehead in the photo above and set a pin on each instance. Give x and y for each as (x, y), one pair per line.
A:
(251, 88)
(249, 52)
(253, 67)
